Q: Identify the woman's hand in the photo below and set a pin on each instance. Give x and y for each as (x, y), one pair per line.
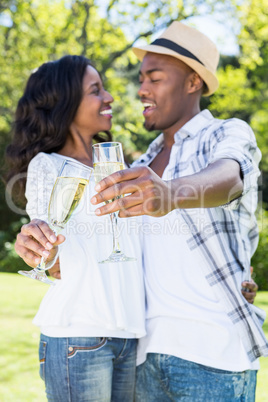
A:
(249, 289)
(55, 270)
(37, 240)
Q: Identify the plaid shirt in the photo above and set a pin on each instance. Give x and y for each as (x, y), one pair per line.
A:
(226, 237)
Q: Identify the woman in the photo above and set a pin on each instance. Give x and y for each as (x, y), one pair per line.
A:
(91, 319)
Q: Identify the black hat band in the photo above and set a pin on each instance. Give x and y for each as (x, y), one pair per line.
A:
(176, 48)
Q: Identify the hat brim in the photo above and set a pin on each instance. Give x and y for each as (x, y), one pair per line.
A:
(207, 76)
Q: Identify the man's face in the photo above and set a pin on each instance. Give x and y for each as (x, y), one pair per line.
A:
(164, 83)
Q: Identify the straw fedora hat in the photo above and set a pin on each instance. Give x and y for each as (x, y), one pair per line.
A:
(190, 46)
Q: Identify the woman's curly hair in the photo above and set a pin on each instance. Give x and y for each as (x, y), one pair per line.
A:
(44, 114)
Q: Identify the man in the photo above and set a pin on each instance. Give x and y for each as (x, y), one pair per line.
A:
(197, 186)
(203, 338)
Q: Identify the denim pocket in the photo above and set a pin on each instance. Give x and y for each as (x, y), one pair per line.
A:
(84, 345)
(42, 358)
(219, 371)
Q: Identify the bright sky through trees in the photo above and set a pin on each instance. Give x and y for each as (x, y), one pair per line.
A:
(223, 36)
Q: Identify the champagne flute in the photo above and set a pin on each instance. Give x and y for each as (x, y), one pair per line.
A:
(65, 198)
(107, 159)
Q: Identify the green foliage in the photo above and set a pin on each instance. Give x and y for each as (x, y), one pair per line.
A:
(37, 30)
(224, 104)
(259, 260)
(254, 59)
(253, 40)
(259, 124)
(9, 260)
(34, 31)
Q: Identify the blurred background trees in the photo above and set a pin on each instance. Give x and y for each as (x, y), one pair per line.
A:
(34, 31)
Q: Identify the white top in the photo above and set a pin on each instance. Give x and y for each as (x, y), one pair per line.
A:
(184, 317)
(91, 299)
(196, 259)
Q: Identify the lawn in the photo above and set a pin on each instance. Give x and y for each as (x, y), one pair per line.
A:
(19, 338)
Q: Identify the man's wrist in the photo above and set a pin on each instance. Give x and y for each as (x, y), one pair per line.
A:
(174, 197)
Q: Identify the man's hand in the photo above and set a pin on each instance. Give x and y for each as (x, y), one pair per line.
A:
(36, 240)
(146, 193)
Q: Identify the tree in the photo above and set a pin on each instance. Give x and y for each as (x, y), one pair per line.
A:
(34, 31)
(254, 58)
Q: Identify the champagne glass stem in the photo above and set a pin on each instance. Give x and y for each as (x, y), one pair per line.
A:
(41, 266)
(108, 158)
(66, 194)
(116, 246)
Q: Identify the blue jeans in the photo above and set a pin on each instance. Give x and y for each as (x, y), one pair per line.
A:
(88, 369)
(164, 378)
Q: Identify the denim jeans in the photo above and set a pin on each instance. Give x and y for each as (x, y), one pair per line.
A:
(164, 378)
(88, 369)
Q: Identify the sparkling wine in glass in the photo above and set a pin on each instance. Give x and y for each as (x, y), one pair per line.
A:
(65, 198)
(107, 159)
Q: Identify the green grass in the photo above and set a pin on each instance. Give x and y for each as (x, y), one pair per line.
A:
(262, 389)
(19, 339)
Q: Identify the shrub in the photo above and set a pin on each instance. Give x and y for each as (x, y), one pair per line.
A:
(9, 260)
(260, 258)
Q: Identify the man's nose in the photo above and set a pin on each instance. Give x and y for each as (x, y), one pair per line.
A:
(143, 90)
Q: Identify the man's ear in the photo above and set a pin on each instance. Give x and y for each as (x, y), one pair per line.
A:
(195, 82)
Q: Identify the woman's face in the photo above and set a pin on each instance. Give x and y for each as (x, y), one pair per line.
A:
(94, 113)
